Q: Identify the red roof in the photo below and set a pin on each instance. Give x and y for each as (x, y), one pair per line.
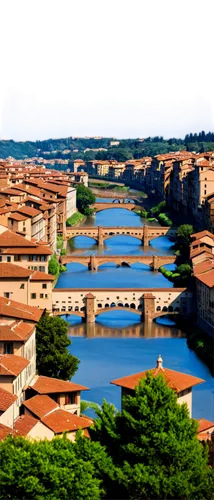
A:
(24, 424)
(204, 425)
(17, 331)
(206, 278)
(12, 365)
(5, 431)
(40, 276)
(18, 217)
(201, 234)
(11, 239)
(40, 405)
(8, 270)
(49, 385)
(29, 211)
(6, 399)
(175, 380)
(12, 309)
(61, 421)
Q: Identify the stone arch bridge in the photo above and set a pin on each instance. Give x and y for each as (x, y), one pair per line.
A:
(117, 203)
(143, 233)
(149, 303)
(94, 261)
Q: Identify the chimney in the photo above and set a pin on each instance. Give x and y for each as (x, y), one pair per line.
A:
(159, 362)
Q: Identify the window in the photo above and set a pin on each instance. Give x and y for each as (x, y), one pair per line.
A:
(7, 295)
(44, 285)
(205, 191)
(0, 258)
(8, 258)
(46, 295)
(41, 296)
(70, 398)
(8, 348)
(17, 258)
(42, 269)
(22, 286)
(33, 295)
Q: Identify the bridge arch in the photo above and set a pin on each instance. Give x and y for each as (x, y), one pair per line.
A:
(118, 308)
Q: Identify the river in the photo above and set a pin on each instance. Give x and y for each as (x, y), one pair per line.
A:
(118, 344)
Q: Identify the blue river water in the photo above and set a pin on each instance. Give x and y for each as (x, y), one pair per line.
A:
(118, 344)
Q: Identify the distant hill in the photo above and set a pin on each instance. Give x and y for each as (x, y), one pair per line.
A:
(104, 148)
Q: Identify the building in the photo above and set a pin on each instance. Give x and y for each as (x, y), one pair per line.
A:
(181, 383)
(66, 394)
(17, 249)
(53, 423)
(27, 286)
(17, 355)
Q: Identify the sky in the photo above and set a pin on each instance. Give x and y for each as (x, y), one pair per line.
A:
(25, 117)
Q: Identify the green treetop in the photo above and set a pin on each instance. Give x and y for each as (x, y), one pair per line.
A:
(49, 469)
(154, 447)
(183, 238)
(52, 342)
(85, 198)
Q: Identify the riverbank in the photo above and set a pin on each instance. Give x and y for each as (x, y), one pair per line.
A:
(199, 342)
(75, 219)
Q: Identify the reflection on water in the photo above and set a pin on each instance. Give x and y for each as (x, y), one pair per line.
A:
(122, 324)
(134, 330)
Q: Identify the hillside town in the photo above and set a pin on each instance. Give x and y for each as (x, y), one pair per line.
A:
(35, 204)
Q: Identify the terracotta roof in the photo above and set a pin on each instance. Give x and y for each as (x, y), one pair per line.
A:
(12, 309)
(8, 270)
(201, 234)
(18, 331)
(6, 399)
(40, 405)
(24, 424)
(18, 217)
(204, 436)
(48, 385)
(204, 425)
(206, 278)
(207, 240)
(200, 251)
(29, 211)
(90, 296)
(12, 365)
(30, 189)
(5, 431)
(203, 267)
(175, 380)
(11, 239)
(37, 250)
(11, 192)
(61, 421)
(39, 275)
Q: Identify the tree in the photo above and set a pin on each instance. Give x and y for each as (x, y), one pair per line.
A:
(50, 469)
(53, 266)
(85, 198)
(154, 447)
(52, 342)
(183, 238)
(185, 271)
